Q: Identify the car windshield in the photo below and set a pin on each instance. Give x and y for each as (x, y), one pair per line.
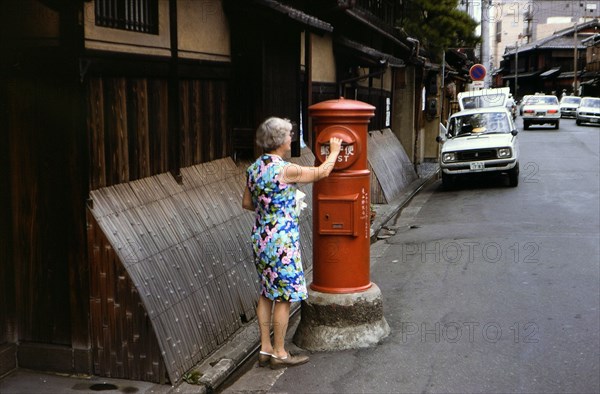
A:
(479, 123)
(492, 100)
(542, 100)
(590, 102)
(570, 100)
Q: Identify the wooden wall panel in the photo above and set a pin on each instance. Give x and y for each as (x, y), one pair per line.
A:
(95, 125)
(204, 127)
(7, 273)
(185, 123)
(139, 130)
(158, 126)
(128, 127)
(39, 146)
(116, 138)
(196, 127)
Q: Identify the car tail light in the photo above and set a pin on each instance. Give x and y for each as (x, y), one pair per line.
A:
(552, 111)
(528, 111)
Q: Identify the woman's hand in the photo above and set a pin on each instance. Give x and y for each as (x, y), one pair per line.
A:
(335, 144)
(293, 173)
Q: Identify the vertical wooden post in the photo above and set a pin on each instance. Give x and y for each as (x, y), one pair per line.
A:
(174, 102)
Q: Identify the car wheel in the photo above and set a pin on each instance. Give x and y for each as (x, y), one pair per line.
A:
(448, 181)
(556, 125)
(526, 125)
(578, 122)
(513, 176)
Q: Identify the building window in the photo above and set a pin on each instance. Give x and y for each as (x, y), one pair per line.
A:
(133, 15)
(499, 31)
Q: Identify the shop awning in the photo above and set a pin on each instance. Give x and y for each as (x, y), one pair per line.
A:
(283, 10)
(569, 74)
(522, 75)
(553, 72)
(591, 82)
(369, 54)
(591, 74)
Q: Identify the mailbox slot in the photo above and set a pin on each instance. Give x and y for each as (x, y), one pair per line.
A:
(337, 215)
(351, 146)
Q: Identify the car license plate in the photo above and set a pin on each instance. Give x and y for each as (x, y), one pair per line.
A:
(540, 113)
(595, 120)
(477, 166)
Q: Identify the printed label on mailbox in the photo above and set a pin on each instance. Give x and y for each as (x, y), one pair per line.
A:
(350, 149)
(346, 152)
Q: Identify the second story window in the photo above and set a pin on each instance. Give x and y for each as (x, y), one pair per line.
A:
(133, 15)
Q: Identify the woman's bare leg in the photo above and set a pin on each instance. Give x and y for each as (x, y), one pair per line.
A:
(263, 314)
(281, 317)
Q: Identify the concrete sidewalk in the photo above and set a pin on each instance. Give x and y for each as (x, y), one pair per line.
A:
(235, 358)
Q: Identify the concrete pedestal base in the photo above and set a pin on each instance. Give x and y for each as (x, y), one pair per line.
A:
(341, 321)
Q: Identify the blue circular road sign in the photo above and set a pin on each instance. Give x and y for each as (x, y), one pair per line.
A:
(477, 72)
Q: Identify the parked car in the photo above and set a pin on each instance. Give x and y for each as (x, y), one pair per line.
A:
(541, 109)
(522, 103)
(588, 111)
(479, 141)
(568, 106)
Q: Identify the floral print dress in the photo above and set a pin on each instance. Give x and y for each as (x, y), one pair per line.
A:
(275, 235)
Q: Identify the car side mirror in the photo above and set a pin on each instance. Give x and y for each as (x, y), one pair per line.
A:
(514, 132)
(439, 139)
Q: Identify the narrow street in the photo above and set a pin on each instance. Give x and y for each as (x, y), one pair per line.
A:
(487, 288)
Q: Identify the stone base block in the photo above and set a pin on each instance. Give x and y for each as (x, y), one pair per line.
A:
(341, 321)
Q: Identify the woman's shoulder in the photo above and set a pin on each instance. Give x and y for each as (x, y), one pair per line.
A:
(260, 160)
(267, 165)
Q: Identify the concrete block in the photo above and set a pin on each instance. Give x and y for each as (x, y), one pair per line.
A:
(342, 321)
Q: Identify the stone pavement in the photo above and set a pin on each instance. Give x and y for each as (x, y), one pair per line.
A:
(236, 358)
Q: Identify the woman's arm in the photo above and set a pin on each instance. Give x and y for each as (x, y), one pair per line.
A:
(294, 173)
(247, 200)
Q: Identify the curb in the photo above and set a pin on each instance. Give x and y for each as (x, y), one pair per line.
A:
(397, 205)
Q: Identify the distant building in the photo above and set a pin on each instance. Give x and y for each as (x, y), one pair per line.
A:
(526, 21)
(548, 64)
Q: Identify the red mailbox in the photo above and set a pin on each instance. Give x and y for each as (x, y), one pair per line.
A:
(341, 202)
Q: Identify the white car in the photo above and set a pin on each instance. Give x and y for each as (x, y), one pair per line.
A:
(568, 106)
(541, 109)
(588, 111)
(479, 141)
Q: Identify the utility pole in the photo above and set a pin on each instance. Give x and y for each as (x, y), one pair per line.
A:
(485, 40)
(516, 67)
(575, 91)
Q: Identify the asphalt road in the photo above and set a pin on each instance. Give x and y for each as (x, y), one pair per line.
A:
(486, 288)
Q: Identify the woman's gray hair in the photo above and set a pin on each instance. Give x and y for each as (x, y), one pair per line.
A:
(271, 134)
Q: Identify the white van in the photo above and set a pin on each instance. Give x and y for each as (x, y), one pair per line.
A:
(479, 141)
(483, 98)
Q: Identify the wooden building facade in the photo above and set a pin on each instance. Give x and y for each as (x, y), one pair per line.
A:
(98, 94)
(550, 65)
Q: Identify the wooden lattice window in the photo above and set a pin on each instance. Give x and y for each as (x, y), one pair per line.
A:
(133, 15)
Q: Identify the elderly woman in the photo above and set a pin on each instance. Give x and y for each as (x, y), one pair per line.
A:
(271, 194)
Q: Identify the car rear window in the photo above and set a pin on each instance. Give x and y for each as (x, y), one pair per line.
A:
(542, 100)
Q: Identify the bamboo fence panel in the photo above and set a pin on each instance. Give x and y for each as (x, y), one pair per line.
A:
(185, 248)
(392, 168)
